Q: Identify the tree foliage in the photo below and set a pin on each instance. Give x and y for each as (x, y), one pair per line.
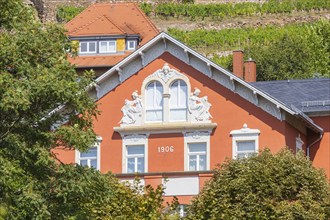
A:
(295, 56)
(295, 51)
(35, 79)
(280, 186)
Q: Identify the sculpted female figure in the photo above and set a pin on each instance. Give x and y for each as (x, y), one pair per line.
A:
(199, 106)
(131, 108)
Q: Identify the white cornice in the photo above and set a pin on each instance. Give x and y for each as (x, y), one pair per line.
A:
(157, 128)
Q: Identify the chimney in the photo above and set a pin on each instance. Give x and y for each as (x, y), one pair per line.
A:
(250, 74)
(238, 57)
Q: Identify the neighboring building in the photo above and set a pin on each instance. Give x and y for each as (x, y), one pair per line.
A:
(107, 33)
(167, 112)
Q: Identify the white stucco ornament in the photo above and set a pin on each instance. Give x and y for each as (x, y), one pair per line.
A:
(165, 73)
(132, 110)
(199, 107)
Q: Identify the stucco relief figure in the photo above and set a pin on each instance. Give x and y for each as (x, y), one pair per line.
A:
(132, 109)
(199, 106)
(165, 73)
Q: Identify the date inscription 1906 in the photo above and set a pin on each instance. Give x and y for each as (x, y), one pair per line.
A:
(165, 149)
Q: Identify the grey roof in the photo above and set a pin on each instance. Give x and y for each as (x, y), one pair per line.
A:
(309, 95)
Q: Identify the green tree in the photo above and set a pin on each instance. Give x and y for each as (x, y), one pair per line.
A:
(280, 186)
(35, 79)
(295, 56)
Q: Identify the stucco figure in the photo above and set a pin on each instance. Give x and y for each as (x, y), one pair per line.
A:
(199, 106)
(131, 109)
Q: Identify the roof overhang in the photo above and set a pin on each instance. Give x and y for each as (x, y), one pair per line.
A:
(165, 43)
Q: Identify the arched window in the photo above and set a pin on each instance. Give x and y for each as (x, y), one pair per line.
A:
(178, 101)
(154, 101)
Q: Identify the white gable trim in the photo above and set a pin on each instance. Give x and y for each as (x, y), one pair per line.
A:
(165, 43)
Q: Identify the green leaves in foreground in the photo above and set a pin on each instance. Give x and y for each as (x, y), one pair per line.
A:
(280, 186)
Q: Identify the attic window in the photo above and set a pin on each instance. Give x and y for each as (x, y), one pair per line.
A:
(107, 46)
(87, 47)
(131, 45)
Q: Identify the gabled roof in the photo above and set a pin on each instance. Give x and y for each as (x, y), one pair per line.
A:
(165, 43)
(104, 19)
(311, 96)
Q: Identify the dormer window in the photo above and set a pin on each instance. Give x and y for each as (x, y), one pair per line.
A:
(107, 46)
(87, 47)
(131, 45)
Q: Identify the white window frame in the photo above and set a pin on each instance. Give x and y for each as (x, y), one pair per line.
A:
(128, 45)
(178, 98)
(245, 134)
(154, 109)
(97, 144)
(134, 140)
(135, 157)
(197, 154)
(166, 94)
(88, 51)
(196, 137)
(299, 143)
(108, 47)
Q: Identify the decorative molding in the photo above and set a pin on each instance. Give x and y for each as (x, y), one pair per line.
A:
(187, 56)
(197, 135)
(270, 107)
(171, 127)
(152, 53)
(245, 131)
(133, 67)
(199, 107)
(246, 93)
(132, 111)
(142, 58)
(119, 71)
(135, 138)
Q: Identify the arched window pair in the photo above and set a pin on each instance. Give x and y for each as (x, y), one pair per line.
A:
(176, 107)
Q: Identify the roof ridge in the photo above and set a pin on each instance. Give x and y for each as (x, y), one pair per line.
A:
(146, 18)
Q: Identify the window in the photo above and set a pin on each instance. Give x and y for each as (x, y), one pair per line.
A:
(245, 149)
(299, 143)
(197, 156)
(245, 142)
(178, 101)
(87, 47)
(154, 102)
(90, 158)
(135, 159)
(131, 45)
(197, 150)
(107, 46)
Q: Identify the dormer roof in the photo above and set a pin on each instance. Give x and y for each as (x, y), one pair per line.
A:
(106, 19)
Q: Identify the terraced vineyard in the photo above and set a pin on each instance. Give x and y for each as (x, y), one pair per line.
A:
(288, 38)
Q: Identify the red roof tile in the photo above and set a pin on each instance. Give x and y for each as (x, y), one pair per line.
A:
(110, 19)
(97, 61)
(104, 19)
